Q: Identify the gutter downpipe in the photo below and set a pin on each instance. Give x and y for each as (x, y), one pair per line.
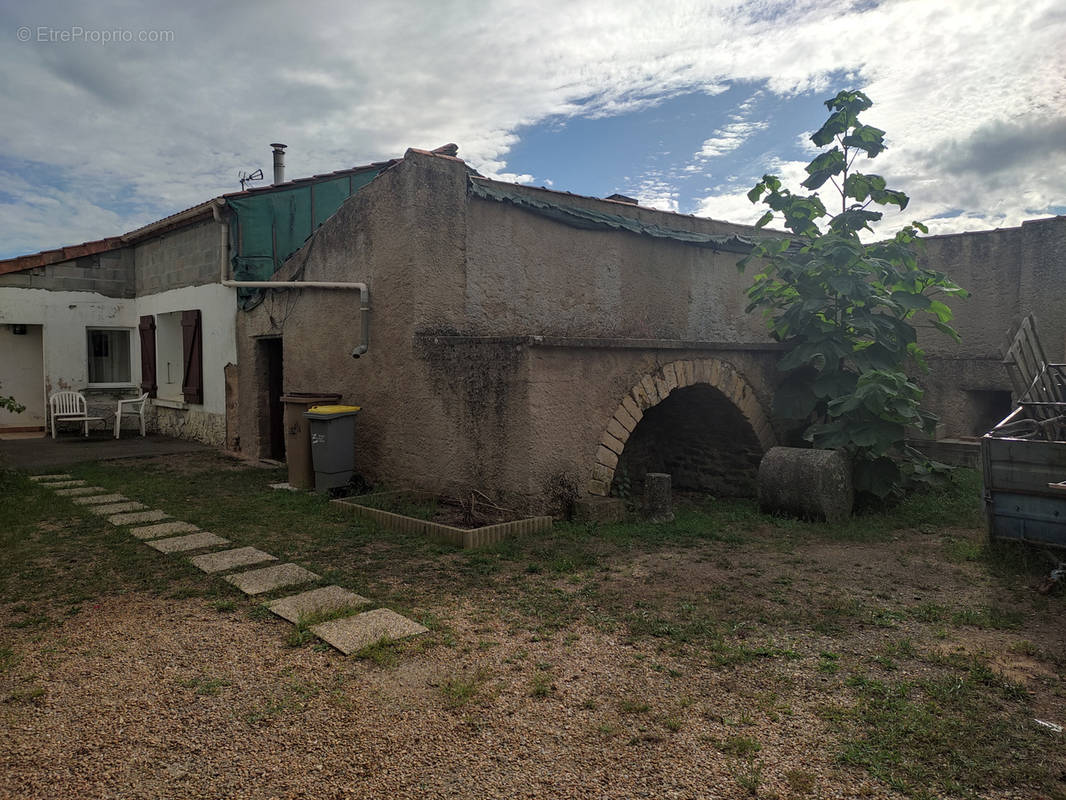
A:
(362, 288)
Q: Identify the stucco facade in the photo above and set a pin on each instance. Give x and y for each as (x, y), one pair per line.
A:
(514, 354)
(502, 344)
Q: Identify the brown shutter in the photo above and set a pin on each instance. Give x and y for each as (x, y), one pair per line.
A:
(192, 385)
(147, 331)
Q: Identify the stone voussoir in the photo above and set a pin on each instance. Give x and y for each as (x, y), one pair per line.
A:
(606, 457)
(611, 443)
(625, 419)
(53, 477)
(617, 429)
(64, 484)
(632, 408)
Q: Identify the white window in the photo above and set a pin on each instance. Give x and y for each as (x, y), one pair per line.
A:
(109, 356)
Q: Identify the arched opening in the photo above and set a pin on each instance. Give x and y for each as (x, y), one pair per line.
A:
(698, 436)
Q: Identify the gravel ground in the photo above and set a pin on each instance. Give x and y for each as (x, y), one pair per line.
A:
(146, 698)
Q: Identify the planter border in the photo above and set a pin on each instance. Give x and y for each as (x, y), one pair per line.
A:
(461, 537)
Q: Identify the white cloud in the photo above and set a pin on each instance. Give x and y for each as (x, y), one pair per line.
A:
(729, 138)
(169, 125)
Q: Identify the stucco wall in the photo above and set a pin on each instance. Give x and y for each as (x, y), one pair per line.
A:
(503, 345)
(22, 376)
(445, 404)
(1009, 273)
(65, 316)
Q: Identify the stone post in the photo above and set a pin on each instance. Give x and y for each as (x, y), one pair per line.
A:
(658, 497)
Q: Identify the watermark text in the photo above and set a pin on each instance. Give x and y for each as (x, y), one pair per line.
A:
(76, 34)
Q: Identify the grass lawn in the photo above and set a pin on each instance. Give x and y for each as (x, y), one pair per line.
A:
(898, 651)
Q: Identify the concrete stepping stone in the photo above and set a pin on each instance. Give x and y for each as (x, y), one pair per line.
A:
(80, 491)
(192, 541)
(316, 602)
(163, 529)
(65, 484)
(139, 516)
(267, 579)
(54, 477)
(108, 509)
(351, 634)
(228, 559)
(98, 499)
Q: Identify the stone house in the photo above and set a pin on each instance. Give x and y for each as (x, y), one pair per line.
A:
(154, 310)
(529, 344)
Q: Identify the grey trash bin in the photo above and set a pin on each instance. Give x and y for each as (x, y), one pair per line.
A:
(332, 444)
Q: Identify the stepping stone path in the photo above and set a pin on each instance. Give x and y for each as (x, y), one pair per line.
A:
(101, 499)
(351, 634)
(348, 634)
(163, 529)
(108, 509)
(193, 541)
(228, 559)
(138, 516)
(267, 579)
(316, 602)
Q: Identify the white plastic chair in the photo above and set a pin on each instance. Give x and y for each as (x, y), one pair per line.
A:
(67, 406)
(128, 407)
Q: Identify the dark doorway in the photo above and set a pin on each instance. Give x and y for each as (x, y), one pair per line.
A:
(700, 438)
(271, 411)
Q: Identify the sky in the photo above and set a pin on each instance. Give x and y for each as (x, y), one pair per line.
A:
(118, 114)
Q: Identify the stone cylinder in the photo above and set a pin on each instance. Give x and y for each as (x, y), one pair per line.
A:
(658, 497)
(807, 483)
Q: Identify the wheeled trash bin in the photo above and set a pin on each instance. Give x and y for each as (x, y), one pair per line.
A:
(332, 444)
(298, 436)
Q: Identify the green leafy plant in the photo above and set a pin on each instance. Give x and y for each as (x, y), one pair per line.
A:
(8, 403)
(847, 309)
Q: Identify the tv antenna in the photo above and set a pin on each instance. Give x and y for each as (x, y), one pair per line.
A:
(246, 177)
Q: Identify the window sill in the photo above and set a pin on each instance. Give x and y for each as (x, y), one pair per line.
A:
(164, 402)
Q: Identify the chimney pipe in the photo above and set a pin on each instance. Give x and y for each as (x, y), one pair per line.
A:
(279, 162)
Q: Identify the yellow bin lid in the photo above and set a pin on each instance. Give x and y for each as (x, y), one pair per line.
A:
(324, 410)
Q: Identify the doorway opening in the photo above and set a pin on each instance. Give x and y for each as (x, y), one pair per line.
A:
(270, 367)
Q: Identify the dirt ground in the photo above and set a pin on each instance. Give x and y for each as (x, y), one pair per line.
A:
(141, 696)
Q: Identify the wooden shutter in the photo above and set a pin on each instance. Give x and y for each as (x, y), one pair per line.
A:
(192, 385)
(147, 331)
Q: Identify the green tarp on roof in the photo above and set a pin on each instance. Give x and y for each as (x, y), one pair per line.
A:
(588, 219)
(272, 225)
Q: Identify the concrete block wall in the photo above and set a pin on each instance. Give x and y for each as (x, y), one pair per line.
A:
(109, 274)
(188, 256)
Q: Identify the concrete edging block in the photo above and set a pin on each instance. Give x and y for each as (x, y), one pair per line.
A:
(461, 537)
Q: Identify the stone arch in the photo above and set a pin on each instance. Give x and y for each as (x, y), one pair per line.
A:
(653, 389)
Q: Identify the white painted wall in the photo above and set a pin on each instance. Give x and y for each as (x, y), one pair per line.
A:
(218, 308)
(65, 316)
(22, 376)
